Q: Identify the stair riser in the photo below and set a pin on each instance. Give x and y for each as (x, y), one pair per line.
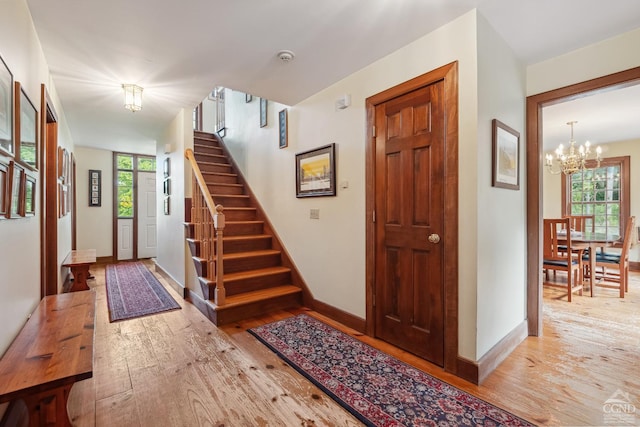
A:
(194, 247)
(222, 179)
(207, 149)
(213, 167)
(230, 315)
(238, 202)
(233, 246)
(239, 286)
(211, 158)
(240, 215)
(217, 188)
(201, 266)
(251, 263)
(241, 229)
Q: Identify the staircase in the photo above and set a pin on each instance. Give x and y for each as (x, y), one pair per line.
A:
(258, 275)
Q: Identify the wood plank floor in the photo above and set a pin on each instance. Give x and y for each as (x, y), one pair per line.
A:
(178, 369)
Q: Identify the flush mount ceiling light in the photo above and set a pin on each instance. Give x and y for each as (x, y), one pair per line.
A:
(286, 56)
(132, 97)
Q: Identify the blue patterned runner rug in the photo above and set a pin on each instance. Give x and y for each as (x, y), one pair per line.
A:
(378, 389)
(133, 291)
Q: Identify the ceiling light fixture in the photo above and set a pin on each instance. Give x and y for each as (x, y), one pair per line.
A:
(575, 160)
(286, 56)
(132, 97)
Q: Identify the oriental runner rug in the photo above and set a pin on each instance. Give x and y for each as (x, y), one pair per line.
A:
(133, 291)
(378, 389)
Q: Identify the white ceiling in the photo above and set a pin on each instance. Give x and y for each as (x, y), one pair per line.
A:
(178, 51)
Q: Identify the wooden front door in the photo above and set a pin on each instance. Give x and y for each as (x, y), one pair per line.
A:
(409, 200)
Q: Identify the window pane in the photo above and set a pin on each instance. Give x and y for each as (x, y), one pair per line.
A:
(125, 194)
(146, 164)
(124, 161)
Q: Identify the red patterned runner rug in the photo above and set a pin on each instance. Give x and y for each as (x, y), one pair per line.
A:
(378, 389)
(133, 291)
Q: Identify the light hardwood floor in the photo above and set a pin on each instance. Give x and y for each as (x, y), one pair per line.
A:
(178, 369)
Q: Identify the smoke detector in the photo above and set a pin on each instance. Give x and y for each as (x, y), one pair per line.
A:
(286, 56)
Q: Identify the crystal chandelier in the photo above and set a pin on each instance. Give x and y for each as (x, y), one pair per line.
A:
(573, 161)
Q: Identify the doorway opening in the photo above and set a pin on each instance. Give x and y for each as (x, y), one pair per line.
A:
(535, 104)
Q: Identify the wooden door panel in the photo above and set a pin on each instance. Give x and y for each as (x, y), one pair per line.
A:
(409, 188)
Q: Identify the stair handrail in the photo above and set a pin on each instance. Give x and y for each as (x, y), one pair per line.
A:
(208, 220)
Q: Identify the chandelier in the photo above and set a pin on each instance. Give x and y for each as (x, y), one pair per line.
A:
(132, 97)
(573, 161)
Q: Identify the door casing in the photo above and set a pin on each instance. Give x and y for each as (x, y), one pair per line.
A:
(449, 74)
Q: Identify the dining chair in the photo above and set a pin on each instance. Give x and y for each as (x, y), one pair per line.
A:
(558, 260)
(582, 222)
(618, 262)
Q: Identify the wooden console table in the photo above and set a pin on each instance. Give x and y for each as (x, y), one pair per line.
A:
(79, 261)
(52, 351)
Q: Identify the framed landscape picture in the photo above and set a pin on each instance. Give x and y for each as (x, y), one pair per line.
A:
(316, 172)
(263, 112)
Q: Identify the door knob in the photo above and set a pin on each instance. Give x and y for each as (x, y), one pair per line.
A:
(434, 238)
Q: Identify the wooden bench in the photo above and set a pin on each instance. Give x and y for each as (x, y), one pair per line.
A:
(52, 351)
(80, 261)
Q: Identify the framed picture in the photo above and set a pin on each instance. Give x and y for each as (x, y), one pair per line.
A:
(263, 112)
(282, 124)
(6, 109)
(15, 198)
(167, 167)
(29, 195)
(316, 172)
(95, 187)
(167, 206)
(506, 156)
(248, 98)
(166, 185)
(26, 129)
(4, 190)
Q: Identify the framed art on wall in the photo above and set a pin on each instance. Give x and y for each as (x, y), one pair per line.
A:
(248, 97)
(15, 198)
(263, 112)
(4, 189)
(95, 187)
(29, 195)
(27, 129)
(316, 172)
(6, 109)
(283, 127)
(506, 156)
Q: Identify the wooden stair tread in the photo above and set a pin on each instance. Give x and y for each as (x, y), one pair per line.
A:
(255, 273)
(204, 173)
(214, 163)
(246, 237)
(249, 254)
(255, 296)
(234, 196)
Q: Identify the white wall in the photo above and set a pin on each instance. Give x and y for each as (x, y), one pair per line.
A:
(95, 224)
(330, 252)
(20, 238)
(501, 231)
(172, 255)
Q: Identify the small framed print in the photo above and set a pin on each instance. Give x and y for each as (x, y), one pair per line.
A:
(506, 156)
(248, 98)
(29, 195)
(95, 187)
(282, 124)
(166, 186)
(263, 112)
(167, 167)
(16, 205)
(167, 205)
(6, 109)
(4, 189)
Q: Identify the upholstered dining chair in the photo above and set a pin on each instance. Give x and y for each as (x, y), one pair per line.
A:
(615, 266)
(558, 260)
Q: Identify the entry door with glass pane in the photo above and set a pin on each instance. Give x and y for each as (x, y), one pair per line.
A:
(134, 217)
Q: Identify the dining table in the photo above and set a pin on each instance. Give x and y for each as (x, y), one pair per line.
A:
(591, 240)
